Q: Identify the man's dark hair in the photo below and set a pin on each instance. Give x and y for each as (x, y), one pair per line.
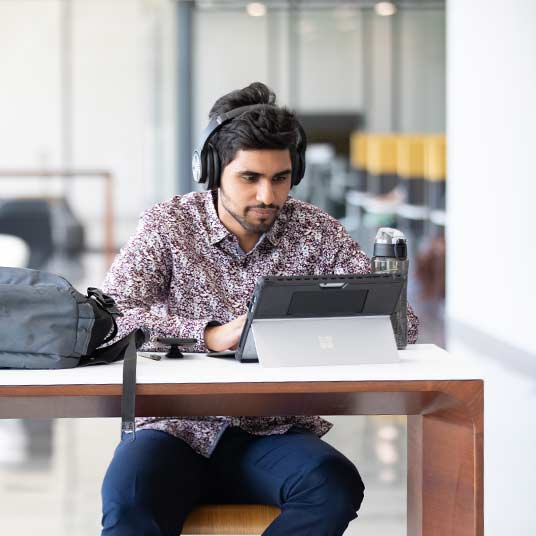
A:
(272, 127)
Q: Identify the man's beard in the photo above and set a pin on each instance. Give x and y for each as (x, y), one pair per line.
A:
(259, 228)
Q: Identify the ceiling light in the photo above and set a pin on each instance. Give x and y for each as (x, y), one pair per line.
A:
(385, 9)
(256, 9)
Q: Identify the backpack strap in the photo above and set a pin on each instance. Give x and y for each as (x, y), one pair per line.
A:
(107, 303)
(114, 352)
(125, 348)
(128, 398)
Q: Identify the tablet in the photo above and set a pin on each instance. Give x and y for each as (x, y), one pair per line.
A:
(312, 296)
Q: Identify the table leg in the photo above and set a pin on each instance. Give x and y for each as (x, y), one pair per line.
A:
(445, 474)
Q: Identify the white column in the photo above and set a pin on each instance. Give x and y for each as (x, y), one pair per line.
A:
(491, 126)
(491, 253)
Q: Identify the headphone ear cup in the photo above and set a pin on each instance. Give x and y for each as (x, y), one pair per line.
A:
(208, 168)
(299, 153)
(216, 168)
(295, 164)
(301, 157)
(298, 166)
(203, 167)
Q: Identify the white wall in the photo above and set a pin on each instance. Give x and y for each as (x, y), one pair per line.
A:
(29, 86)
(330, 67)
(379, 113)
(230, 51)
(491, 255)
(331, 56)
(233, 49)
(123, 87)
(421, 97)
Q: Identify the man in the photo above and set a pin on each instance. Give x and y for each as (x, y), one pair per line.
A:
(189, 271)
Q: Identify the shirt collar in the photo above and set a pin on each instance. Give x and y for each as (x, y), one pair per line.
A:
(217, 231)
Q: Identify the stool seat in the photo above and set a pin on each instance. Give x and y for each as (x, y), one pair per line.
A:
(230, 519)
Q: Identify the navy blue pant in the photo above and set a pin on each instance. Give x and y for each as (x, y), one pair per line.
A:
(154, 482)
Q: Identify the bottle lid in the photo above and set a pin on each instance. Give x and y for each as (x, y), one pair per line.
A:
(390, 243)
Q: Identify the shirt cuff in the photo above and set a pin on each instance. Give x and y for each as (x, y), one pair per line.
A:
(195, 329)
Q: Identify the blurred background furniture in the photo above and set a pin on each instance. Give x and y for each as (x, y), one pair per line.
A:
(48, 224)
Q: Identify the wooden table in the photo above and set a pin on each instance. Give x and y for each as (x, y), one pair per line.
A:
(442, 395)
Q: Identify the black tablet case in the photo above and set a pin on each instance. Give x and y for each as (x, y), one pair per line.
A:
(312, 296)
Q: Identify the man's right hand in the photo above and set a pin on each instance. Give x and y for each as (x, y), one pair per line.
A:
(226, 336)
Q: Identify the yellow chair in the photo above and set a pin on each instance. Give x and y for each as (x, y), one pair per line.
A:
(358, 159)
(410, 168)
(381, 162)
(435, 173)
(230, 519)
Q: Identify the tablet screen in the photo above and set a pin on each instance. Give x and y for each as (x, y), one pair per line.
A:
(334, 302)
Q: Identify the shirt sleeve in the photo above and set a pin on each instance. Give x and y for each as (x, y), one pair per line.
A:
(347, 257)
(139, 281)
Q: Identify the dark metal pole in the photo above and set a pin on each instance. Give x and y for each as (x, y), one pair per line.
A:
(185, 10)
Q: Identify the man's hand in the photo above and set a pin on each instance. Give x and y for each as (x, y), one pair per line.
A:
(225, 337)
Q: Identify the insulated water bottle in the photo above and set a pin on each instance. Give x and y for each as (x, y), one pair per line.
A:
(391, 256)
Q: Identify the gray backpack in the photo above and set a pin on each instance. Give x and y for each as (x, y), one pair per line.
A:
(45, 323)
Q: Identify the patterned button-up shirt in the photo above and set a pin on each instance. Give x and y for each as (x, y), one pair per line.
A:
(183, 269)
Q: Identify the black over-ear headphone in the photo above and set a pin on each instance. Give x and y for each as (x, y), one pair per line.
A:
(206, 166)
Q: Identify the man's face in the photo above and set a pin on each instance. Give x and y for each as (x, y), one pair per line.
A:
(254, 187)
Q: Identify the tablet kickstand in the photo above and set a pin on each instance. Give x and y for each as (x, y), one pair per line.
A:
(324, 341)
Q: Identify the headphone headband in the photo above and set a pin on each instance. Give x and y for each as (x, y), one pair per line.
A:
(205, 160)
